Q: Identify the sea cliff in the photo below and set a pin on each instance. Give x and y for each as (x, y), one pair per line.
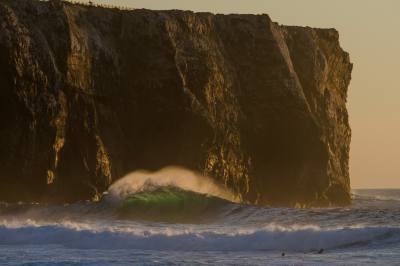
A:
(89, 94)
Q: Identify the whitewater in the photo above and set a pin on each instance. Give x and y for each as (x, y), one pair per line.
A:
(176, 217)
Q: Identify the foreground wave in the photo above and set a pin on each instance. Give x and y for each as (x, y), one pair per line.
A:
(72, 235)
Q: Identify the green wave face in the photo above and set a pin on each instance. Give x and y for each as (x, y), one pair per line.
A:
(170, 204)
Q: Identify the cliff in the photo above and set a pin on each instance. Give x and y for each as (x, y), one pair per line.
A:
(90, 94)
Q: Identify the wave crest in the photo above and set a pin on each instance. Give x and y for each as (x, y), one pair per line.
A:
(177, 177)
(268, 238)
(172, 194)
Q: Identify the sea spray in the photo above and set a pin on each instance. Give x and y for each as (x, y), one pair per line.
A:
(172, 176)
(172, 194)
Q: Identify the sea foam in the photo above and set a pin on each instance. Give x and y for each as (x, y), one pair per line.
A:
(186, 238)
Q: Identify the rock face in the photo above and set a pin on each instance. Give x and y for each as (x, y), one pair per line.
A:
(90, 94)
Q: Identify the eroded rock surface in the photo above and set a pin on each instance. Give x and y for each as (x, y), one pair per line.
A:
(89, 94)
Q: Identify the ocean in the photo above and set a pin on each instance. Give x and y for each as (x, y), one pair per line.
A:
(148, 222)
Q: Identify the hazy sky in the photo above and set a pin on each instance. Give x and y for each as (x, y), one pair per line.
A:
(370, 32)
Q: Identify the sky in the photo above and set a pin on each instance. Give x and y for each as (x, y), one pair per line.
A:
(370, 32)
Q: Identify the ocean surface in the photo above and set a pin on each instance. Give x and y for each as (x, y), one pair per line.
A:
(145, 221)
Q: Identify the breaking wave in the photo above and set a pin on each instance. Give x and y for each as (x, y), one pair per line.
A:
(172, 194)
(301, 238)
(177, 177)
(170, 204)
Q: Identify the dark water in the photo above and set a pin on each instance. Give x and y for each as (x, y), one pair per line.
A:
(171, 226)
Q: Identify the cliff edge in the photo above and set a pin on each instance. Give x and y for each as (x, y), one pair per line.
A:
(89, 94)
